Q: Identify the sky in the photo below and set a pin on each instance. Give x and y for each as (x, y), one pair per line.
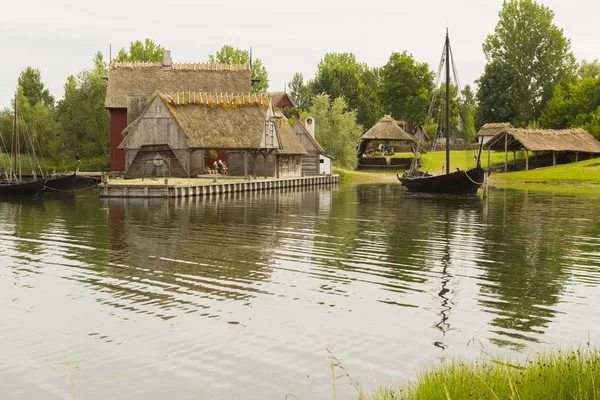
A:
(60, 37)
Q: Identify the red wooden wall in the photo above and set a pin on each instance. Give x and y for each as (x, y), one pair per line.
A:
(118, 122)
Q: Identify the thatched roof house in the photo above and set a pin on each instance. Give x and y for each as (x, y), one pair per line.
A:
(575, 140)
(130, 84)
(490, 130)
(281, 100)
(188, 122)
(387, 129)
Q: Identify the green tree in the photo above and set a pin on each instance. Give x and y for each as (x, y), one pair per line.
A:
(231, 55)
(30, 80)
(84, 122)
(336, 129)
(299, 91)
(340, 75)
(497, 94)
(467, 104)
(145, 52)
(406, 88)
(528, 44)
(589, 69)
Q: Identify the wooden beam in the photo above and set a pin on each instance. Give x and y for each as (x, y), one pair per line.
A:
(553, 158)
(506, 152)
(526, 160)
(489, 161)
(245, 157)
(576, 156)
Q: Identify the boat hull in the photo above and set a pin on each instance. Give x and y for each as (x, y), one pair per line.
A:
(455, 183)
(22, 189)
(61, 183)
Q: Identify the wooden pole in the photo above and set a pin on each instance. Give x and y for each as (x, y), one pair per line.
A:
(536, 160)
(576, 156)
(553, 158)
(526, 160)
(489, 160)
(515, 157)
(506, 152)
(245, 156)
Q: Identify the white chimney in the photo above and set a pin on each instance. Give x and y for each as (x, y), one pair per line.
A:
(167, 61)
(309, 124)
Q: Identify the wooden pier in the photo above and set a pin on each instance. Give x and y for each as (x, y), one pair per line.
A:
(205, 187)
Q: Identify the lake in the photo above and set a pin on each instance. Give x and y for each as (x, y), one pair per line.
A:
(241, 297)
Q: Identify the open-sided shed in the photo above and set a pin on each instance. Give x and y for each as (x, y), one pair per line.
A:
(543, 140)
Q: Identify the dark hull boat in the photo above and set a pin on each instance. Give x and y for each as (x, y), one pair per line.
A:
(22, 189)
(65, 182)
(456, 183)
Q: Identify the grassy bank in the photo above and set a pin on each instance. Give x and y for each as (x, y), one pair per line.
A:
(349, 176)
(94, 164)
(573, 374)
(581, 173)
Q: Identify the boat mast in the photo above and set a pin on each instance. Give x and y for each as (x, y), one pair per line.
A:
(447, 127)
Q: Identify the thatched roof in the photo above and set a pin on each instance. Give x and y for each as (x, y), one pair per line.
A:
(223, 121)
(387, 129)
(126, 80)
(545, 140)
(493, 129)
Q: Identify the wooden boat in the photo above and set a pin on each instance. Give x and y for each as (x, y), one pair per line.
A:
(453, 183)
(23, 188)
(61, 183)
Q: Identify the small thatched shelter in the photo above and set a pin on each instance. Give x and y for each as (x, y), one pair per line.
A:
(490, 130)
(387, 129)
(186, 124)
(543, 140)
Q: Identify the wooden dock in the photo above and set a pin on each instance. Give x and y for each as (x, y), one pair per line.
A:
(205, 187)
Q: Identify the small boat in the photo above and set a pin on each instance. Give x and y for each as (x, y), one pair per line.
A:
(453, 183)
(61, 183)
(22, 189)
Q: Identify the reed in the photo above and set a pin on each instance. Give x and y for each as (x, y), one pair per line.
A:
(570, 374)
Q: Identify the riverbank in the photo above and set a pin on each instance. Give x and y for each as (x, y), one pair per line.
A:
(580, 173)
(571, 374)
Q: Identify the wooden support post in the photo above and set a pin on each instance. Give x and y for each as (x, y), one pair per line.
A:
(536, 161)
(245, 157)
(576, 156)
(505, 152)
(553, 158)
(515, 157)
(489, 160)
(526, 160)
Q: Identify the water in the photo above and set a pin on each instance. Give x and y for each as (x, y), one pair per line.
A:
(239, 297)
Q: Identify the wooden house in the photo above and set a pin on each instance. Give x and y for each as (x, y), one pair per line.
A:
(173, 131)
(130, 84)
(282, 100)
(316, 161)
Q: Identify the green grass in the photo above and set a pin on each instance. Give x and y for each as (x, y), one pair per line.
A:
(583, 172)
(349, 176)
(573, 374)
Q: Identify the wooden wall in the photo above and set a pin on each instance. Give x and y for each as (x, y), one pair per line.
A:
(118, 122)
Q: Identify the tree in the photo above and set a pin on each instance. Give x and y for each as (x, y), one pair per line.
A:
(528, 44)
(589, 69)
(299, 92)
(467, 105)
(406, 88)
(84, 122)
(230, 55)
(145, 52)
(34, 89)
(340, 75)
(336, 129)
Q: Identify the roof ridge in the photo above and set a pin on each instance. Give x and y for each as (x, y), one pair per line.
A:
(216, 99)
(181, 66)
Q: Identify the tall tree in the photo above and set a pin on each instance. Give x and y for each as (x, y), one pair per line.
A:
(528, 44)
(406, 88)
(231, 55)
(34, 89)
(299, 91)
(145, 52)
(84, 121)
(340, 75)
(336, 129)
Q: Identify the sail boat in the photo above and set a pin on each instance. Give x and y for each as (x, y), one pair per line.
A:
(453, 183)
(15, 185)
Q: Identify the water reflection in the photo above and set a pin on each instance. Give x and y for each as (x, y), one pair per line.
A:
(241, 293)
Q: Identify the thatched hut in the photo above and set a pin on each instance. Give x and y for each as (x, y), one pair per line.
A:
(178, 128)
(130, 84)
(543, 140)
(490, 130)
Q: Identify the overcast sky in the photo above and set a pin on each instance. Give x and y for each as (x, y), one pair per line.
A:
(60, 37)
